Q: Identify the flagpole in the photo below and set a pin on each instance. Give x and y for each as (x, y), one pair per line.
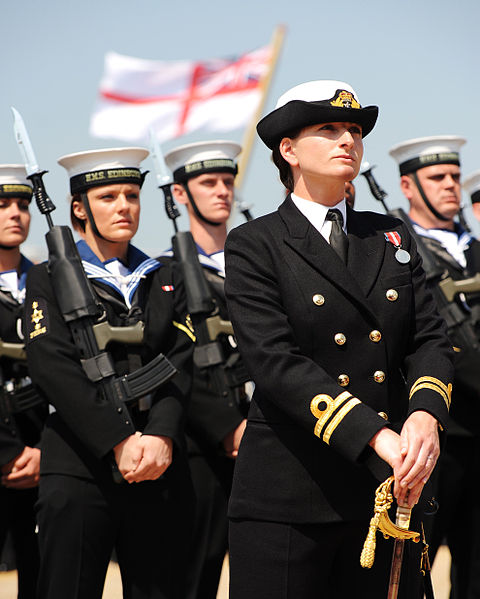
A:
(249, 137)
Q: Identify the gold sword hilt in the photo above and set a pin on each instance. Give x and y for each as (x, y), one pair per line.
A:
(381, 521)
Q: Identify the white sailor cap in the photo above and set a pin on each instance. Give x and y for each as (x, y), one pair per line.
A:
(471, 184)
(14, 182)
(104, 167)
(195, 159)
(315, 102)
(417, 153)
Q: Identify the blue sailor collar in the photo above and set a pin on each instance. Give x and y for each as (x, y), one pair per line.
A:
(204, 259)
(13, 283)
(455, 242)
(139, 265)
(207, 260)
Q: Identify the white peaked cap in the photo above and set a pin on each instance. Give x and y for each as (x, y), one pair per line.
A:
(471, 184)
(113, 165)
(97, 160)
(314, 91)
(314, 102)
(13, 174)
(203, 156)
(14, 182)
(417, 153)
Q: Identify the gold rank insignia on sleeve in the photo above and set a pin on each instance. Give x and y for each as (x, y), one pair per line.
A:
(330, 412)
(430, 382)
(38, 322)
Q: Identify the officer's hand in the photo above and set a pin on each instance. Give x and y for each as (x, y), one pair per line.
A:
(156, 458)
(231, 442)
(128, 454)
(420, 448)
(387, 445)
(24, 471)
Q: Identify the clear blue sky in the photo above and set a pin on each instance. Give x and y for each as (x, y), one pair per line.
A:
(416, 59)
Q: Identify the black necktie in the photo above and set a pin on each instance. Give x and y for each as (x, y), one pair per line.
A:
(338, 240)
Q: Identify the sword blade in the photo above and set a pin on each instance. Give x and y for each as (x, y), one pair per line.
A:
(23, 141)
(403, 521)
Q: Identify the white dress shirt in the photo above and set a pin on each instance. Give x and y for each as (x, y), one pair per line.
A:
(316, 214)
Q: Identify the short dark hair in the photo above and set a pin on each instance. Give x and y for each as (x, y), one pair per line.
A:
(284, 169)
(77, 223)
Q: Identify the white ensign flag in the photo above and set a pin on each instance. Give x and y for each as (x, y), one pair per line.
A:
(173, 98)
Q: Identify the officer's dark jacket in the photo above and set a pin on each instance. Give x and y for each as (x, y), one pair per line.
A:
(319, 396)
(16, 430)
(465, 413)
(80, 435)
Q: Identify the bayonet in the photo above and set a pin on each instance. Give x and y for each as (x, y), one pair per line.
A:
(377, 192)
(44, 203)
(162, 172)
(23, 141)
(164, 179)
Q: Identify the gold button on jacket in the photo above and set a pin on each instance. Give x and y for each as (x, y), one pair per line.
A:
(318, 299)
(343, 380)
(392, 295)
(379, 376)
(340, 339)
(375, 336)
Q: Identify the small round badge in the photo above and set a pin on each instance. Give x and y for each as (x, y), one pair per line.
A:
(402, 256)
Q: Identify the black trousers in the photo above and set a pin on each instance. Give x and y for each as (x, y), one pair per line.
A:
(212, 479)
(17, 517)
(274, 560)
(81, 522)
(457, 521)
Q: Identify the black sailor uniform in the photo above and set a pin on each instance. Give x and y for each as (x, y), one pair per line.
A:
(83, 514)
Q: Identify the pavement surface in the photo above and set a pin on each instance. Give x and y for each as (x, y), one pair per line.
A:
(113, 585)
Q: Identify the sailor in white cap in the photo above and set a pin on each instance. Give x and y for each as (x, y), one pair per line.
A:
(337, 333)
(430, 179)
(204, 179)
(22, 416)
(471, 184)
(83, 514)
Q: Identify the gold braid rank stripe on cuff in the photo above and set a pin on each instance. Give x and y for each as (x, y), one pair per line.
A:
(330, 416)
(430, 382)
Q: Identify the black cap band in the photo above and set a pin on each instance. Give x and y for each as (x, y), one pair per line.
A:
(16, 190)
(214, 165)
(475, 197)
(410, 166)
(85, 181)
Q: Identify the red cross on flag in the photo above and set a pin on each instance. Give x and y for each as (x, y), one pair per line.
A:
(173, 98)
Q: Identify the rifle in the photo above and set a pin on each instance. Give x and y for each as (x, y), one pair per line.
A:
(82, 311)
(15, 400)
(243, 208)
(227, 375)
(442, 286)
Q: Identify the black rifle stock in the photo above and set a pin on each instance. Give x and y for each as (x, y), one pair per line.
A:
(227, 375)
(441, 285)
